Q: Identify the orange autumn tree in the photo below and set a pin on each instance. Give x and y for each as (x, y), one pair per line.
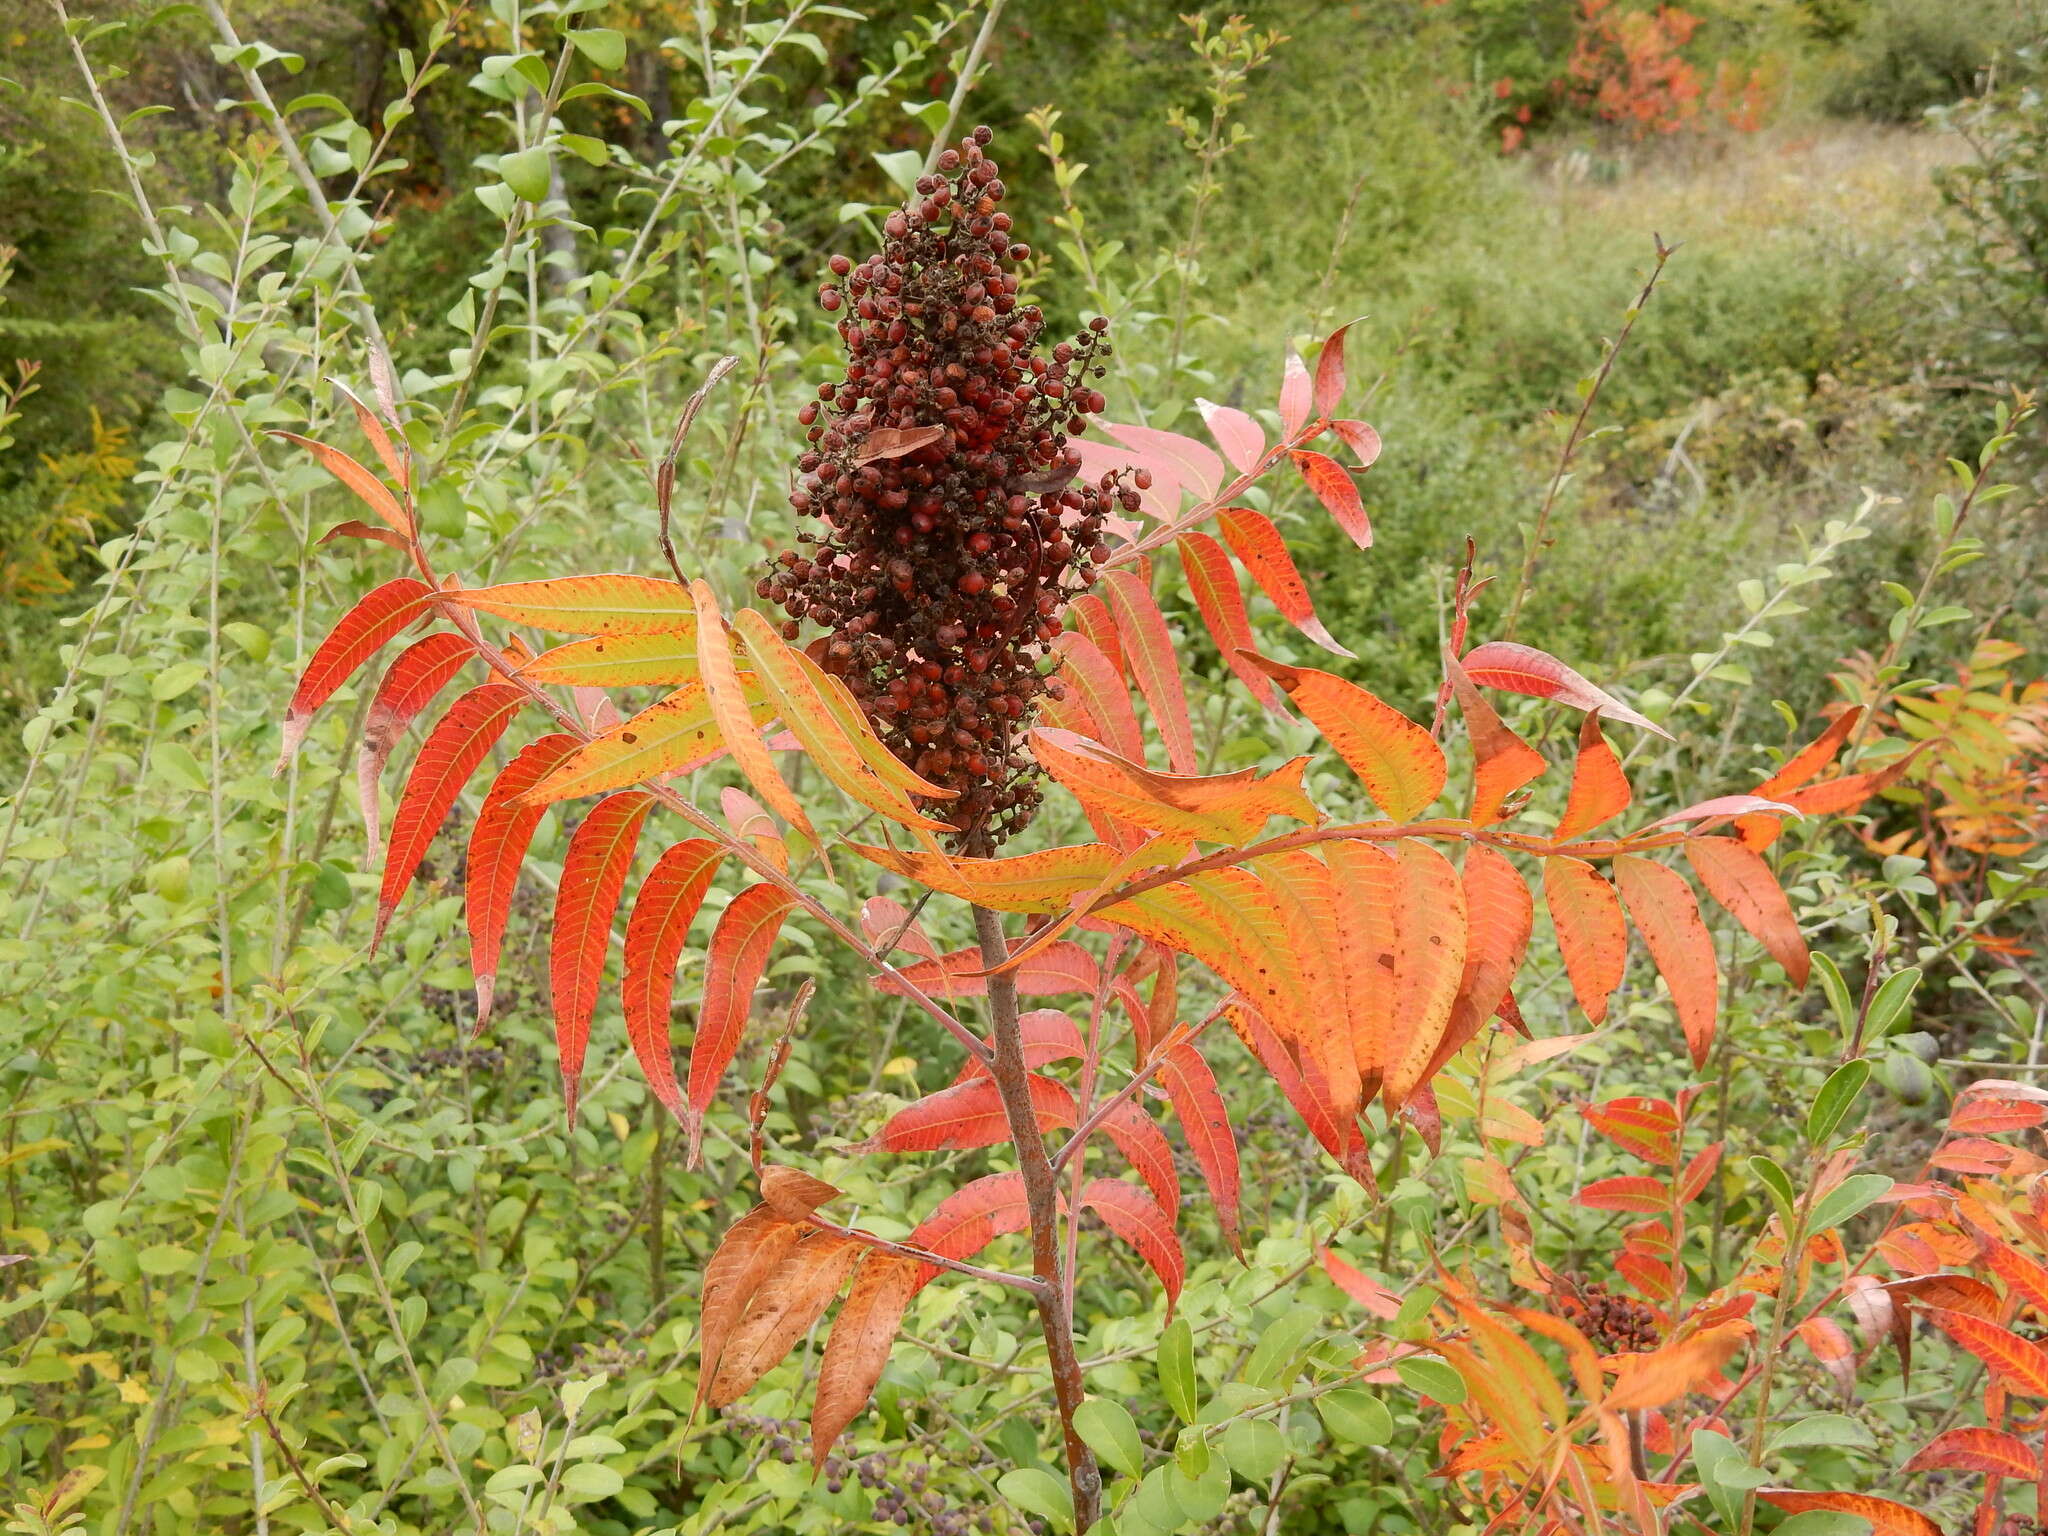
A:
(971, 621)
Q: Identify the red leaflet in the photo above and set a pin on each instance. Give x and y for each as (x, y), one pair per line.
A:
(1102, 693)
(497, 848)
(2019, 1363)
(1600, 790)
(356, 528)
(969, 1115)
(1329, 392)
(1739, 879)
(1885, 1517)
(421, 671)
(668, 900)
(1335, 489)
(1693, 1182)
(1213, 581)
(1360, 439)
(859, 1346)
(593, 878)
(1592, 934)
(1524, 669)
(1058, 969)
(1149, 648)
(885, 920)
(1139, 1138)
(1995, 1116)
(971, 1218)
(1206, 1126)
(1668, 917)
(450, 754)
(1047, 1036)
(1297, 396)
(1951, 1293)
(1991, 1451)
(1360, 1287)
(353, 641)
(1629, 1193)
(1398, 761)
(733, 967)
(1242, 439)
(2022, 1276)
(1133, 1216)
(1502, 761)
(1260, 550)
(371, 491)
(1265, 1046)
(1499, 915)
(1646, 1127)
(1092, 618)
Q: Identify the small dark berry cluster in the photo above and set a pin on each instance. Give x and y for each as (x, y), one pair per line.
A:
(902, 1493)
(955, 526)
(1617, 1324)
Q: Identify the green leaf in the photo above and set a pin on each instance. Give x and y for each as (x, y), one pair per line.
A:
(1432, 1378)
(1830, 1429)
(526, 173)
(1111, 1433)
(588, 1481)
(903, 168)
(1834, 1100)
(1177, 1369)
(931, 113)
(173, 763)
(1777, 1185)
(1836, 990)
(1278, 1345)
(1846, 1199)
(601, 45)
(1254, 1448)
(254, 639)
(1353, 1414)
(1892, 1004)
(1038, 1491)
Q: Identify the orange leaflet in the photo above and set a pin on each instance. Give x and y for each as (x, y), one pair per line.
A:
(593, 878)
(1205, 1125)
(1221, 808)
(1329, 391)
(1340, 1140)
(1814, 756)
(783, 1310)
(2019, 1363)
(1689, 1365)
(1306, 893)
(751, 1250)
(604, 604)
(1368, 884)
(969, 1115)
(664, 659)
(1059, 968)
(1499, 914)
(1631, 1192)
(1740, 880)
(1668, 916)
(1139, 1138)
(1135, 1216)
(1092, 618)
(675, 735)
(1646, 1127)
(668, 901)
(733, 967)
(1592, 934)
(1995, 1116)
(1885, 1517)
(358, 636)
(1360, 1287)
(1397, 760)
(1042, 882)
(1430, 945)
(1990, 1451)
(1502, 761)
(1297, 395)
(373, 429)
(971, 1218)
(729, 707)
(1336, 490)
(1149, 648)
(497, 847)
(1101, 692)
(1251, 939)
(371, 491)
(410, 684)
(2022, 1276)
(450, 754)
(1524, 669)
(858, 1347)
(1242, 439)
(793, 1194)
(1600, 790)
(1260, 550)
(1213, 581)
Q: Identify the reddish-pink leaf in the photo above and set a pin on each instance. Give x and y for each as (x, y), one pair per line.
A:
(1360, 439)
(356, 528)
(1524, 669)
(660, 920)
(1213, 581)
(1720, 808)
(1047, 1034)
(1339, 1139)
(1592, 934)
(1141, 1141)
(1242, 439)
(1668, 916)
(971, 1218)
(886, 920)
(1995, 1116)
(358, 636)
(1297, 396)
(450, 754)
(593, 878)
(1206, 1126)
(1260, 550)
(1335, 489)
(1102, 692)
(1973, 1449)
(1148, 646)
(1600, 790)
(969, 1115)
(1092, 618)
(371, 491)
(410, 684)
(497, 848)
(1739, 879)
(859, 1346)
(1329, 391)
(733, 967)
(1629, 1193)
(1060, 968)
(1186, 461)
(1135, 1217)
(1360, 1287)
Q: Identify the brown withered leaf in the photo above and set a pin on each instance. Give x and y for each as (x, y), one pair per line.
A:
(859, 1346)
(895, 442)
(747, 1255)
(782, 1311)
(793, 1195)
